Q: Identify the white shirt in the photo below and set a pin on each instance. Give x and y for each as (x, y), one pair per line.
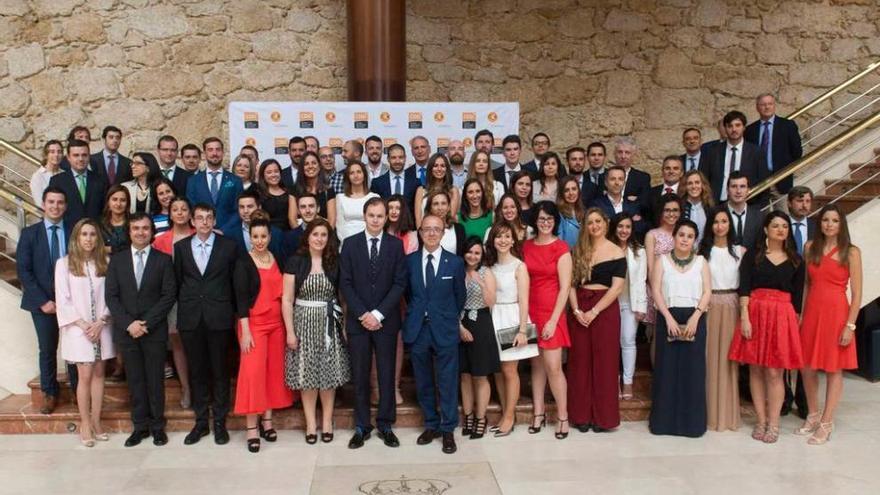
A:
(209, 177)
(134, 257)
(171, 170)
(674, 187)
(107, 156)
(724, 268)
(202, 251)
(696, 162)
(802, 228)
(618, 207)
(435, 261)
(39, 183)
(378, 314)
(728, 167)
(392, 177)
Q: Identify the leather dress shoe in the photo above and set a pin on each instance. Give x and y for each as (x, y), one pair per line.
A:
(160, 438)
(389, 438)
(48, 404)
(427, 437)
(221, 435)
(136, 437)
(357, 440)
(196, 434)
(449, 443)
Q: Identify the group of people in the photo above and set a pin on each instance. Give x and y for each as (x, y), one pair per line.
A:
(324, 275)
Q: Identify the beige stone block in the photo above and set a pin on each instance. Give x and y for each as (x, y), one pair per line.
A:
(209, 24)
(326, 50)
(710, 13)
(426, 91)
(25, 60)
(277, 46)
(422, 31)
(578, 23)
(209, 49)
(746, 85)
(845, 49)
(92, 84)
(774, 49)
(744, 24)
(604, 120)
(108, 56)
(561, 124)
(14, 100)
(565, 91)
(265, 75)
(686, 37)
(673, 107)
(637, 61)
(9, 28)
(446, 8)
(622, 89)
(436, 53)
(522, 28)
(51, 8)
(807, 17)
(63, 56)
(811, 50)
(619, 20)
(151, 55)
(657, 143)
(196, 122)
(129, 113)
(321, 77)
(817, 74)
(12, 129)
(83, 27)
(249, 16)
(14, 7)
(722, 39)
(489, 74)
(674, 69)
(159, 22)
(597, 66)
(57, 123)
(205, 7)
(607, 45)
(303, 21)
(862, 29)
(161, 83)
(220, 82)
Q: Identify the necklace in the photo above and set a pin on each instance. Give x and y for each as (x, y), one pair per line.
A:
(263, 260)
(681, 263)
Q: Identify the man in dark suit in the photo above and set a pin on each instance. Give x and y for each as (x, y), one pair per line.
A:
(108, 163)
(747, 219)
(576, 163)
(397, 180)
(239, 228)
(203, 265)
(168, 168)
(296, 148)
(612, 201)
(512, 146)
(372, 279)
(215, 186)
(39, 247)
(540, 145)
(777, 138)
(83, 188)
(672, 173)
(637, 183)
(435, 298)
(307, 207)
(140, 291)
(692, 140)
(81, 133)
(734, 155)
(484, 141)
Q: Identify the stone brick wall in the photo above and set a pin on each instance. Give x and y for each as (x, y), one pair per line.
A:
(581, 70)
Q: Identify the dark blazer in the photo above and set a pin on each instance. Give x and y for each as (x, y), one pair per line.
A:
(752, 165)
(151, 302)
(684, 162)
(76, 208)
(36, 274)
(384, 187)
(442, 305)
(638, 185)
(233, 231)
(754, 225)
(786, 147)
(227, 197)
(641, 226)
(287, 178)
(207, 297)
(500, 173)
(300, 266)
(181, 177)
(651, 203)
(290, 242)
(365, 291)
(246, 279)
(99, 166)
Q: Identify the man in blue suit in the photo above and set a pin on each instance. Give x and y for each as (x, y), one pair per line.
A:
(612, 201)
(372, 278)
(39, 247)
(397, 180)
(777, 138)
(435, 299)
(239, 228)
(83, 189)
(215, 186)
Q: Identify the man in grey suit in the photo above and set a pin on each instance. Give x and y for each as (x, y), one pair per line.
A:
(747, 219)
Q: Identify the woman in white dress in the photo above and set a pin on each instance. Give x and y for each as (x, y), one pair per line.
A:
(53, 152)
(510, 315)
(349, 206)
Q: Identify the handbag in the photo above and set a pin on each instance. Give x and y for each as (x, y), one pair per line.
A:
(680, 337)
(505, 336)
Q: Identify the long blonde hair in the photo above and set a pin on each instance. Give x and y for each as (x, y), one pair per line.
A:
(77, 258)
(583, 248)
(488, 180)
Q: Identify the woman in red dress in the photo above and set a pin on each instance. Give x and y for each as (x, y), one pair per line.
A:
(829, 319)
(548, 261)
(262, 339)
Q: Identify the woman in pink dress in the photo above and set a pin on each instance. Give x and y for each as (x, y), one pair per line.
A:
(84, 323)
(548, 261)
(659, 242)
(829, 321)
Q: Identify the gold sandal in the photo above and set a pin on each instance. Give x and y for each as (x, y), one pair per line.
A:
(758, 431)
(772, 434)
(810, 424)
(822, 434)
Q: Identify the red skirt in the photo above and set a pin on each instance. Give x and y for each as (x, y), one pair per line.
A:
(776, 341)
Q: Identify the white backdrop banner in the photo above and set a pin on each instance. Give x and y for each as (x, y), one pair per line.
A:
(268, 126)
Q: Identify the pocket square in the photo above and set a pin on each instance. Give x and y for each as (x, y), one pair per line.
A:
(446, 278)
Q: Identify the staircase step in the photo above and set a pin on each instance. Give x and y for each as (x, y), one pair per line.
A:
(864, 172)
(856, 186)
(848, 204)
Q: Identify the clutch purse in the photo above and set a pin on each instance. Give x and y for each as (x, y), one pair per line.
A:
(505, 336)
(680, 337)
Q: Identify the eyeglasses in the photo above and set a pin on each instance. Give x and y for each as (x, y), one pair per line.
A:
(431, 230)
(671, 210)
(544, 220)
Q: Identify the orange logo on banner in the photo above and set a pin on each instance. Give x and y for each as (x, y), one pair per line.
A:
(442, 142)
(415, 116)
(330, 117)
(275, 116)
(385, 117)
(388, 142)
(335, 142)
(306, 116)
(251, 120)
(439, 117)
(361, 116)
(493, 117)
(468, 116)
(280, 146)
(251, 116)
(250, 141)
(468, 142)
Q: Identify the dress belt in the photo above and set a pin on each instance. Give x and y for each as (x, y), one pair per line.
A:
(724, 291)
(334, 316)
(310, 304)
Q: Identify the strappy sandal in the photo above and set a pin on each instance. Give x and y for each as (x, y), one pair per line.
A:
(479, 428)
(268, 434)
(758, 431)
(541, 424)
(811, 424)
(253, 444)
(468, 428)
(561, 435)
(772, 434)
(822, 434)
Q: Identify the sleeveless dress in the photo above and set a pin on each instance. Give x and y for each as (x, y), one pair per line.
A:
(544, 288)
(663, 245)
(825, 314)
(480, 357)
(321, 359)
(505, 312)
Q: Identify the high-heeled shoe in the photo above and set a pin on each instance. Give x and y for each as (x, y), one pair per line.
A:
(561, 435)
(87, 442)
(327, 436)
(758, 431)
(253, 444)
(268, 434)
(822, 434)
(479, 428)
(627, 393)
(537, 429)
(810, 424)
(468, 427)
(311, 438)
(501, 433)
(772, 434)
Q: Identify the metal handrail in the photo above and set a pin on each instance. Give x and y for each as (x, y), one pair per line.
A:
(814, 155)
(20, 202)
(833, 91)
(19, 152)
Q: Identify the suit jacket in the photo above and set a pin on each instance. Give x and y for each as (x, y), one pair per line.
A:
(384, 186)
(287, 178)
(233, 231)
(181, 177)
(365, 291)
(76, 208)
(500, 173)
(99, 166)
(786, 147)
(442, 305)
(36, 274)
(151, 302)
(684, 162)
(752, 165)
(638, 185)
(641, 226)
(651, 203)
(227, 196)
(754, 226)
(207, 297)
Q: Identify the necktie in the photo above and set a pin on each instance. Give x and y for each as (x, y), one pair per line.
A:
(422, 174)
(668, 190)
(509, 177)
(215, 186)
(203, 257)
(398, 188)
(738, 227)
(139, 268)
(429, 273)
(54, 245)
(166, 172)
(81, 187)
(692, 165)
(732, 160)
(799, 238)
(374, 254)
(765, 144)
(111, 169)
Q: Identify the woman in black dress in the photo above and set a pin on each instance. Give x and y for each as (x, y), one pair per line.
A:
(275, 199)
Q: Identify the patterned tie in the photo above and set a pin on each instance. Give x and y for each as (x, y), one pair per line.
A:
(693, 164)
(398, 188)
(139, 268)
(429, 273)
(509, 177)
(203, 257)
(54, 245)
(668, 190)
(374, 254)
(423, 171)
(765, 144)
(166, 172)
(111, 169)
(799, 238)
(81, 187)
(215, 186)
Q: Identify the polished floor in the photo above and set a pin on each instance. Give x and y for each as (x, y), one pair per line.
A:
(627, 461)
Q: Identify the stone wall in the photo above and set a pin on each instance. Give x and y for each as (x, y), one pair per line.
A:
(581, 70)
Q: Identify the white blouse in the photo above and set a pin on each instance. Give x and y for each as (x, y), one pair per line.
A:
(682, 290)
(635, 292)
(350, 215)
(449, 241)
(724, 268)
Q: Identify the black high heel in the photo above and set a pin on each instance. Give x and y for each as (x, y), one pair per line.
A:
(479, 428)
(468, 427)
(327, 437)
(253, 444)
(561, 435)
(537, 429)
(269, 435)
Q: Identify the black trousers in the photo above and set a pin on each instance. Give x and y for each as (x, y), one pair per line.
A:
(145, 373)
(206, 354)
(795, 394)
(361, 346)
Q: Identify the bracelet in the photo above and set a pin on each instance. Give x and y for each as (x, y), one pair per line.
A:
(851, 327)
(577, 311)
(593, 312)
